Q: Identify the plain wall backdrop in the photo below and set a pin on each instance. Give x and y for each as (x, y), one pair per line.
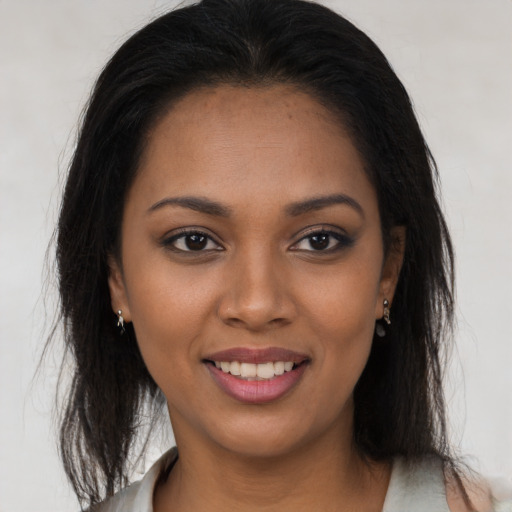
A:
(455, 59)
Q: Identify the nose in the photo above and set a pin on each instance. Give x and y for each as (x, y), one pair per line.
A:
(257, 296)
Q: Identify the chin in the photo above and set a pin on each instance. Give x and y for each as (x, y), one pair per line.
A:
(264, 439)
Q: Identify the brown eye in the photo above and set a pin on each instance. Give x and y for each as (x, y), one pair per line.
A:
(320, 242)
(323, 241)
(192, 241)
(195, 242)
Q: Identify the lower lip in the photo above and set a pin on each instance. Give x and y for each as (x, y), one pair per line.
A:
(256, 391)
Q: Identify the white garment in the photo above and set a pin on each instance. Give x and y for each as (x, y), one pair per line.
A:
(138, 497)
(412, 488)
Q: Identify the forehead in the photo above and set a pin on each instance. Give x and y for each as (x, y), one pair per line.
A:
(243, 142)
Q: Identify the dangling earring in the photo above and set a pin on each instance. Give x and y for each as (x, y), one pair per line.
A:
(386, 312)
(120, 322)
(379, 328)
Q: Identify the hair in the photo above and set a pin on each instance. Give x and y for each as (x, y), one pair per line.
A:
(399, 404)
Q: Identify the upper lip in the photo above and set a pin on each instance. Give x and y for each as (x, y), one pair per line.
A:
(257, 355)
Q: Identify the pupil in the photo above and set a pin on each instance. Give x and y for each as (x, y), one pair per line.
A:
(195, 242)
(319, 242)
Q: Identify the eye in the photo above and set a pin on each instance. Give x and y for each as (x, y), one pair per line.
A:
(323, 240)
(192, 241)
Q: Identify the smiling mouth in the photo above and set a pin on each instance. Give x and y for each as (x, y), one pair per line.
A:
(256, 371)
(257, 375)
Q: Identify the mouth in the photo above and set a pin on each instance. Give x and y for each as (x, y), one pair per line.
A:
(259, 371)
(256, 376)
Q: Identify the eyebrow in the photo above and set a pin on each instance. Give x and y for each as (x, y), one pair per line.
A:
(209, 207)
(198, 204)
(317, 203)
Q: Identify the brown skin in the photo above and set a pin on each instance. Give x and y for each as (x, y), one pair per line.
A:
(257, 283)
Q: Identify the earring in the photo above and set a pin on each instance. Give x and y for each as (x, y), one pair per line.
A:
(386, 312)
(379, 328)
(120, 322)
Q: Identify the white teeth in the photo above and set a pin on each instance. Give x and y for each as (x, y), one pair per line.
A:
(251, 371)
(265, 371)
(235, 368)
(248, 370)
(279, 368)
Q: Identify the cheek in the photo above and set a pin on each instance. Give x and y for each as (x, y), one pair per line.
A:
(161, 293)
(171, 308)
(342, 314)
(346, 333)
(344, 300)
(166, 325)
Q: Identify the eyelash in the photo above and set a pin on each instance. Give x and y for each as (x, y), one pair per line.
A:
(342, 241)
(170, 242)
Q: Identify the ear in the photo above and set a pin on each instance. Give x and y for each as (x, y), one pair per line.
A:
(118, 297)
(391, 269)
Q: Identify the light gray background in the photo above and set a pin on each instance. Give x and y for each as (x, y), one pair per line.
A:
(455, 58)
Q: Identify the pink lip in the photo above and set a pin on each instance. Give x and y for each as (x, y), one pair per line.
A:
(256, 391)
(257, 355)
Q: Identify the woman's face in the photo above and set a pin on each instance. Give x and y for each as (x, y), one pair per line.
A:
(251, 237)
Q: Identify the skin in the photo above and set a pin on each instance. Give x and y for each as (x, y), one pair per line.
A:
(258, 282)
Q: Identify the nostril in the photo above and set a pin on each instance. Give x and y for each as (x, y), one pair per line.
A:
(253, 324)
(278, 322)
(234, 322)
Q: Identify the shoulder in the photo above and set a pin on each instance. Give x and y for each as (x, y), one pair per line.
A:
(426, 485)
(417, 485)
(139, 495)
(483, 495)
(128, 497)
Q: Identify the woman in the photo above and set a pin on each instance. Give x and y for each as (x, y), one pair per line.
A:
(250, 234)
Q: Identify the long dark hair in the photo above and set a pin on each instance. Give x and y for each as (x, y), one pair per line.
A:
(399, 405)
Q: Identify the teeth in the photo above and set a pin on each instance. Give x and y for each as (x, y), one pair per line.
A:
(265, 371)
(250, 371)
(279, 368)
(234, 368)
(247, 370)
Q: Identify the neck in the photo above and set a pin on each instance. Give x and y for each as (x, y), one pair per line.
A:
(320, 475)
